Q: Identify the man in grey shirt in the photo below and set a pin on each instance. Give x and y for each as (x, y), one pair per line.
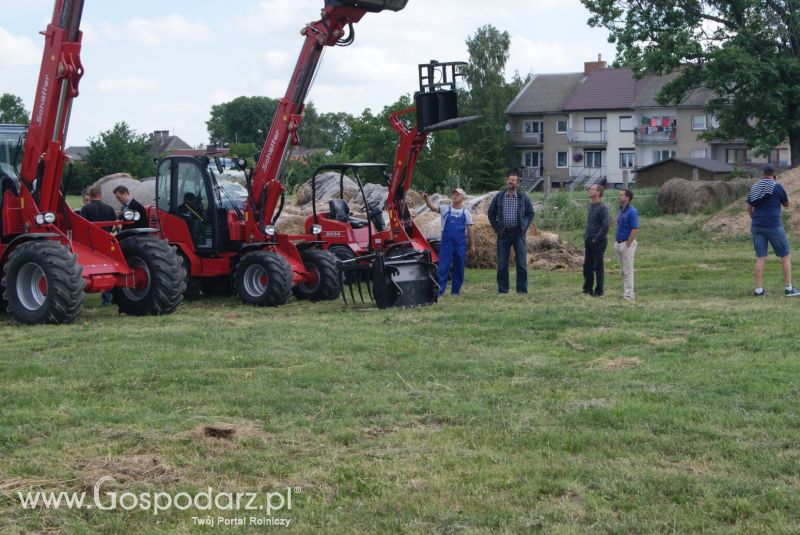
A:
(595, 239)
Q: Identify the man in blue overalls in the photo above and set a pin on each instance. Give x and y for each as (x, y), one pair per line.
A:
(457, 233)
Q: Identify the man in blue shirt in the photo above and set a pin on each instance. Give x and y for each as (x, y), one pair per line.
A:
(764, 208)
(625, 246)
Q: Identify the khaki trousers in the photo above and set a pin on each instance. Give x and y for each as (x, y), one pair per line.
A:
(625, 256)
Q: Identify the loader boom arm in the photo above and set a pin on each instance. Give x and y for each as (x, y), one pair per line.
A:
(59, 76)
(329, 30)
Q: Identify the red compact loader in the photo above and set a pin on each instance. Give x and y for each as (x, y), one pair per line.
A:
(242, 246)
(49, 255)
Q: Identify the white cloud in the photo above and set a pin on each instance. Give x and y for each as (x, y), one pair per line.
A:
(170, 29)
(18, 51)
(129, 84)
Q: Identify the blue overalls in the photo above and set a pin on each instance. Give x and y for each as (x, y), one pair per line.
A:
(453, 250)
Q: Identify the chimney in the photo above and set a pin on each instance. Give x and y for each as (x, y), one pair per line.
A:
(590, 66)
(160, 135)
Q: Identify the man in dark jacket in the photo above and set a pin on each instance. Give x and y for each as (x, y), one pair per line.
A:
(96, 209)
(123, 195)
(510, 214)
(595, 241)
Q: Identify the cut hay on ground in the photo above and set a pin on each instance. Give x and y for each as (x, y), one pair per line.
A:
(733, 221)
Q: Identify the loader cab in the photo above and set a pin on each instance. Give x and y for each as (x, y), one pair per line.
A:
(187, 189)
(11, 138)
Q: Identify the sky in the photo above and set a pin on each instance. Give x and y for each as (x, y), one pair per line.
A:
(161, 65)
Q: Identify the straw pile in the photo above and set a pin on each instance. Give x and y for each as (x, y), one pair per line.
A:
(681, 196)
(733, 221)
(546, 250)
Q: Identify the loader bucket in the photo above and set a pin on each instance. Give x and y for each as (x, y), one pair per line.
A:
(407, 280)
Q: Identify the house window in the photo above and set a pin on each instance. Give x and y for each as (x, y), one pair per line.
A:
(626, 159)
(593, 158)
(626, 124)
(737, 156)
(531, 128)
(531, 159)
(561, 159)
(661, 155)
(699, 122)
(595, 124)
(699, 153)
(561, 126)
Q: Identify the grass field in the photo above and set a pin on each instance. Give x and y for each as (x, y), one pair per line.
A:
(553, 412)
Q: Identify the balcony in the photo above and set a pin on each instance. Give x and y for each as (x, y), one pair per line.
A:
(595, 138)
(667, 136)
(527, 139)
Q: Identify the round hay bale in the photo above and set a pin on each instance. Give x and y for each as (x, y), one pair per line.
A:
(145, 192)
(327, 188)
(414, 199)
(740, 186)
(683, 196)
(109, 182)
(480, 204)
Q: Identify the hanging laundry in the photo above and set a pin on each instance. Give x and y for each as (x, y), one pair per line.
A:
(665, 121)
(654, 121)
(645, 120)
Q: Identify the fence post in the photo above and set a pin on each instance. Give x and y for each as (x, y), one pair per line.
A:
(695, 174)
(625, 179)
(547, 187)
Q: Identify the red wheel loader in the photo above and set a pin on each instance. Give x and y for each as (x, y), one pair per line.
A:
(396, 262)
(243, 247)
(49, 255)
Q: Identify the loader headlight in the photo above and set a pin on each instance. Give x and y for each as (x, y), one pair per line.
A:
(45, 218)
(316, 230)
(269, 230)
(129, 215)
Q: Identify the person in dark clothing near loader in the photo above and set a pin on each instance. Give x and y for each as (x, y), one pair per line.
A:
(595, 241)
(97, 210)
(510, 214)
(124, 197)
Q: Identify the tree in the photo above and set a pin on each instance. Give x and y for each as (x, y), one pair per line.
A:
(242, 120)
(12, 110)
(120, 150)
(746, 52)
(484, 142)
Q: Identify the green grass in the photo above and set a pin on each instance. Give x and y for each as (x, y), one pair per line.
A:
(552, 413)
(565, 210)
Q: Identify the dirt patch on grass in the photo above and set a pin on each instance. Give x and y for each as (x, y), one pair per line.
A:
(427, 424)
(733, 221)
(622, 363)
(127, 470)
(225, 432)
(666, 341)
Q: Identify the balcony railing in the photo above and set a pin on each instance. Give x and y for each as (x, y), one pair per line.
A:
(526, 138)
(578, 137)
(665, 136)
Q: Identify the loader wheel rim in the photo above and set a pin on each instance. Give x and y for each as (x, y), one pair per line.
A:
(141, 279)
(256, 280)
(32, 286)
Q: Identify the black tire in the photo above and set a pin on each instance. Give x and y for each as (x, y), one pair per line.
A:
(43, 283)
(159, 266)
(327, 286)
(193, 284)
(263, 279)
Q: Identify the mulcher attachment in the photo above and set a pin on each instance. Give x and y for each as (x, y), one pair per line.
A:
(401, 281)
